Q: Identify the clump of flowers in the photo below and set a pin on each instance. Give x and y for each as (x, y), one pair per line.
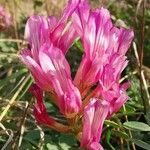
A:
(5, 18)
(95, 93)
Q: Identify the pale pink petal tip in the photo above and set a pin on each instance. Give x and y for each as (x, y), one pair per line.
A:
(95, 146)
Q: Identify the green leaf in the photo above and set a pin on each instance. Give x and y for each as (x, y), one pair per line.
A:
(108, 138)
(26, 145)
(66, 141)
(141, 144)
(32, 137)
(79, 45)
(112, 123)
(134, 125)
(120, 134)
(147, 116)
(33, 134)
(51, 146)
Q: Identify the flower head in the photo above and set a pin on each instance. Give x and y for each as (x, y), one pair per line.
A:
(46, 61)
(104, 57)
(5, 18)
(96, 92)
(103, 44)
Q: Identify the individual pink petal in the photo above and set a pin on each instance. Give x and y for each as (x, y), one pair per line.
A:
(119, 102)
(104, 46)
(62, 32)
(88, 73)
(71, 101)
(98, 27)
(116, 96)
(95, 40)
(37, 72)
(39, 110)
(69, 35)
(52, 22)
(120, 99)
(80, 16)
(93, 119)
(125, 86)
(36, 32)
(107, 77)
(125, 39)
(57, 70)
(95, 146)
(54, 63)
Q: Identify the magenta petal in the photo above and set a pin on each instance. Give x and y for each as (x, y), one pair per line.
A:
(88, 71)
(80, 16)
(36, 70)
(52, 22)
(95, 37)
(125, 39)
(36, 32)
(54, 64)
(104, 46)
(69, 35)
(95, 146)
(116, 96)
(69, 9)
(62, 32)
(71, 101)
(57, 70)
(93, 119)
(119, 102)
(125, 86)
(39, 110)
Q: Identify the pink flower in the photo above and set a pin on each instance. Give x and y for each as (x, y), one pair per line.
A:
(103, 61)
(93, 119)
(41, 80)
(102, 42)
(5, 19)
(104, 57)
(116, 96)
(110, 88)
(52, 73)
(46, 61)
(40, 30)
(57, 70)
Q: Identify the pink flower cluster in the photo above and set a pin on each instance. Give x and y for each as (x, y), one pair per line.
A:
(5, 19)
(95, 93)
